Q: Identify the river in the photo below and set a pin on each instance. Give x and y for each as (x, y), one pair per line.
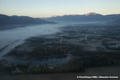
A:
(13, 37)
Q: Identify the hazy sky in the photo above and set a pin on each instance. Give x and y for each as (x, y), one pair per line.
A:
(47, 8)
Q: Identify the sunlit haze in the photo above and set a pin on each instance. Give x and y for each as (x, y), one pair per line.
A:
(48, 8)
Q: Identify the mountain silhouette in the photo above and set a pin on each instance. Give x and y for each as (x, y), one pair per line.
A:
(86, 17)
(7, 20)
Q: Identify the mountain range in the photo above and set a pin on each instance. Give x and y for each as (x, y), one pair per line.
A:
(8, 20)
(89, 17)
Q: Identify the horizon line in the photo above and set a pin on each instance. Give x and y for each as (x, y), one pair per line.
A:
(65, 15)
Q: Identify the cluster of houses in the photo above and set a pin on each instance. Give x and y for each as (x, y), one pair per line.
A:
(113, 44)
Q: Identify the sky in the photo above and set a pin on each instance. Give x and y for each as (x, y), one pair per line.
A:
(48, 8)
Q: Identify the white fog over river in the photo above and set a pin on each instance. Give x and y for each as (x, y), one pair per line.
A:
(13, 37)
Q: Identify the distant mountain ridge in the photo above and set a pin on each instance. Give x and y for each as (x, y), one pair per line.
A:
(86, 17)
(7, 20)
(91, 13)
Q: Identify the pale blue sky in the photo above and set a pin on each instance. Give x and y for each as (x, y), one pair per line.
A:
(47, 8)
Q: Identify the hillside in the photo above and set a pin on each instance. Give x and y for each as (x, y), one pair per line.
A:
(89, 17)
(8, 20)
